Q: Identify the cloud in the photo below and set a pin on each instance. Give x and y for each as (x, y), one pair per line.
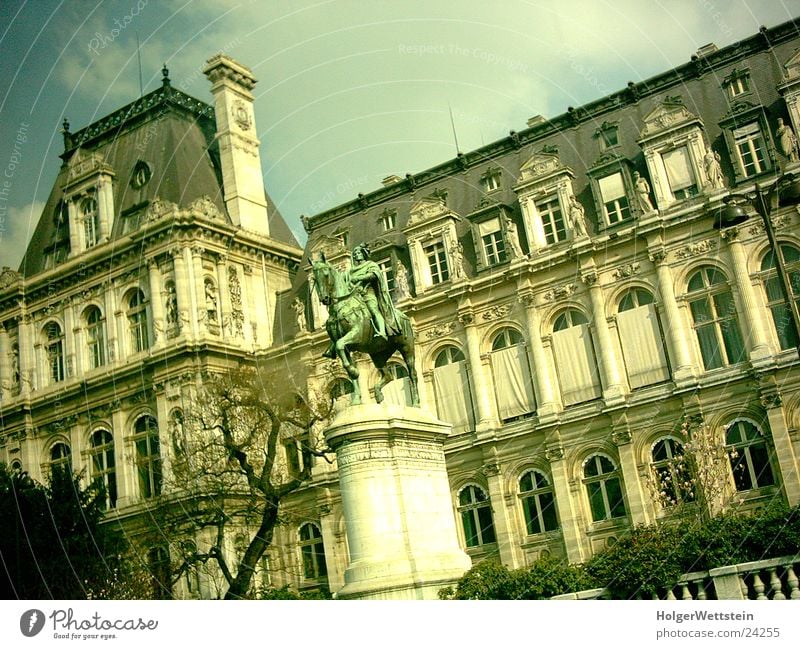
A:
(16, 230)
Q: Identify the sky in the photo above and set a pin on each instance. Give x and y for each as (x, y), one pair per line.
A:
(348, 91)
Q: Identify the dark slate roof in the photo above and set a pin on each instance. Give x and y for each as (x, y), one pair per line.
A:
(574, 133)
(173, 134)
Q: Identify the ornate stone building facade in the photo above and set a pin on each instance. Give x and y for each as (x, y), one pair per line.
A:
(573, 301)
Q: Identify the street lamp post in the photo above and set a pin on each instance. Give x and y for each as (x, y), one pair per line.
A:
(784, 191)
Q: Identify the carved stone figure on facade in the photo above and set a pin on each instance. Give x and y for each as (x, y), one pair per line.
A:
(512, 239)
(457, 258)
(787, 141)
(211, 301)
(178, 439)
(401, 279)
(173, 318)
(300, 313)
(577, 219)
(642, 188)
(711, 162)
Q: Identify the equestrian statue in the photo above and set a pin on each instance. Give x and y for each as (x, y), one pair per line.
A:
(361, 317)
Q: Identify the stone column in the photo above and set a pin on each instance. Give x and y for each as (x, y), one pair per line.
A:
(760, 349)
(184, 289)
(397, 503)
(157, 302)
(70, 327)
(112, 322)
(676, 332)
(124, 459)
(199, 289)
(630, 477)
(613, 391)
(427, 395)
(784, 449)
(5, 363)
(79, 339)
(567, 515)
(546, 403)
(504, 530)
(333, 553)
(481, 389)
(223, 297)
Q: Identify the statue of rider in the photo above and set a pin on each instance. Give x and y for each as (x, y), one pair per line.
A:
(367, 278)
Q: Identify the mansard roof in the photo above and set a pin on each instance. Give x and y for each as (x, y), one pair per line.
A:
(169, 131)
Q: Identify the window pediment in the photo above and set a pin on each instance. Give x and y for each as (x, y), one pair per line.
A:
(430, 210)
(330, 246)
(792, 66)
(84, 166)
(541, 166)
(669, 115)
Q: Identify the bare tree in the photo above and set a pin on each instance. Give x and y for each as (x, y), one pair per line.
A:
(248, 441)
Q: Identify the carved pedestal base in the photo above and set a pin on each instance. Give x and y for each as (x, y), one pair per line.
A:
(397, 505)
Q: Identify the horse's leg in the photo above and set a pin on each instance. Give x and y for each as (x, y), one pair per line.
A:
(352, 371)
(407, 352)
(383, 378)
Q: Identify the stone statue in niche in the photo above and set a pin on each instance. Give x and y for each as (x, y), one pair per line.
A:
(787, 141)
(300, 313)
(642, 188)
(211, 301)
(457, 256)
(577, 220)
(173, 319)
(713, 169)
(512, 239)
(403, 288)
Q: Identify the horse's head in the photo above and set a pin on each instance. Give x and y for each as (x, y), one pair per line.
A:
(324, 279)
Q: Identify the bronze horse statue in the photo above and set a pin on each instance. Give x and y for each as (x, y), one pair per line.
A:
(351, 327)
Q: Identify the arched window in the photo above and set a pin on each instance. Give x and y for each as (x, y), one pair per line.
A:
(341, 388)
(91, 221)
(749, 456)
(54, 347)
(60, 457)
(674, 482)
(641, 340)
(575, 359)
(512, 375)
(137, 321)
(312, 550)
(714, 318)
(148, 456)
(103, 465)
(95, 337)
(538, 503)
(781, 314)
(398, 389)
(476, 516)
(452, 389)
(603, 487)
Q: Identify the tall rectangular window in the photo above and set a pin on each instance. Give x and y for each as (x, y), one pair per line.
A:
(681, 179)
(437, 262)
(615, 201)
(552, 220)
(750, 149)
(387, 267)
(492, 243)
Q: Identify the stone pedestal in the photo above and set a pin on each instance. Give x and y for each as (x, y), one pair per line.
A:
(397, 506)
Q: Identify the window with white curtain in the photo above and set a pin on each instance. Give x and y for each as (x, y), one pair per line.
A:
(641, 339)
(398, 389)
(681, 178)
(575, 359)
(512, 376)
(614, 198)
(452, 389)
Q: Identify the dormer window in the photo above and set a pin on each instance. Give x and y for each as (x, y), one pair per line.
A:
(737, 83)
(141, 175)
(608, 135)
(680, 174)
(750, 149)
(388, 219)
(91, 221)
(387, 267)
(490, 181)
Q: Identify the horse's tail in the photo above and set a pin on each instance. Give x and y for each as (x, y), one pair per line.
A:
(406, 330)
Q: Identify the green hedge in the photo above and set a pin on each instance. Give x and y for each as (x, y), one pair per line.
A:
(646, 562)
